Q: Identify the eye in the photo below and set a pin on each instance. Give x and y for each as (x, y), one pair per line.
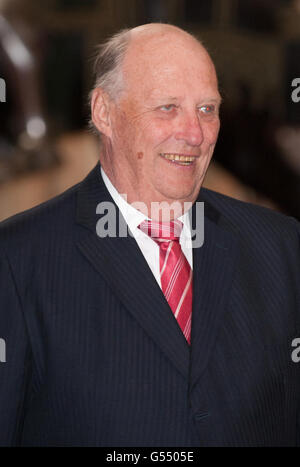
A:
(168, 107)
(207, 109)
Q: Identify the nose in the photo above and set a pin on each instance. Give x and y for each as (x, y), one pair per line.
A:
(190, 130)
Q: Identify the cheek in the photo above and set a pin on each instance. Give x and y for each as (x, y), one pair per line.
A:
(212, 132)
(122, 131)
(157, 133)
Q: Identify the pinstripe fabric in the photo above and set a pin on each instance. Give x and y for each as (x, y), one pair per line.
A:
(175, 272)
(95, 357)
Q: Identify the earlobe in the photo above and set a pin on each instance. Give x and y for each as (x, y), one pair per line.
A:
(100, 111)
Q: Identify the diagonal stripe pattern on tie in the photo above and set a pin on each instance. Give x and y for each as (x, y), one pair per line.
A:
(175, 272)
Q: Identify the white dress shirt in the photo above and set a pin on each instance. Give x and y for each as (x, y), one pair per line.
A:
(148, 247)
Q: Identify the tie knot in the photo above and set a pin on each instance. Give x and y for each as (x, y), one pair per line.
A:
(159, 231)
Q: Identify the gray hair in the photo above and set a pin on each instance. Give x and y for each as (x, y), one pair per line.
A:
(108, 62)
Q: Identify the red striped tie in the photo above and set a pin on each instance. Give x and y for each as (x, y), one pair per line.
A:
(175, 271)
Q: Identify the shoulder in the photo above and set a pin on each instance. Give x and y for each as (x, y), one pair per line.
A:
(267, 242)
(248, 218)
(34, 226)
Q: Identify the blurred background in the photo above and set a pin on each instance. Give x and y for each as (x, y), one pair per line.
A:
(45, 62)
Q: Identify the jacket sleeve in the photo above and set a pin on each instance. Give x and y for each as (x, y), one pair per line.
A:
(15, 358)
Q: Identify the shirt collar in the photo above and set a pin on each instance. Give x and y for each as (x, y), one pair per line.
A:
(132, 216)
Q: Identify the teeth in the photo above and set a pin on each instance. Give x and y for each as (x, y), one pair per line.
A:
(176, 157)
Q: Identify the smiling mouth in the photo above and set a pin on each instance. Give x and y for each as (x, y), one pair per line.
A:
(179, 159)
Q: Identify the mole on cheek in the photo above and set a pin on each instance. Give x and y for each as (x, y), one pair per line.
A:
(140, 155)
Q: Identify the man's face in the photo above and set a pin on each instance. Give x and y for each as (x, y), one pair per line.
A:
(165, 124)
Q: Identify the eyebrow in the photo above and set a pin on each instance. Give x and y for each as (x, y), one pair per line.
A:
(165, 98)
(217, 100)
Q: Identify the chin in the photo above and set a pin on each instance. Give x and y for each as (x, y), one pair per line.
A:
(167, 192)
(182, 194)
(180, 197)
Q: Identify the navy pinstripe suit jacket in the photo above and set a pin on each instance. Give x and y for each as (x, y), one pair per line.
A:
(94, 356)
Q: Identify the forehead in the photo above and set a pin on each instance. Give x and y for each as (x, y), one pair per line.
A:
(169, 65)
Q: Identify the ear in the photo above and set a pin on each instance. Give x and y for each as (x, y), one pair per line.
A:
(100, 111)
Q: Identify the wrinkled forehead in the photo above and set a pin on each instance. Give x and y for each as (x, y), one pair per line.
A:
(167, 61)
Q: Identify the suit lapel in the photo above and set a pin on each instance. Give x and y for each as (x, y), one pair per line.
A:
(122, 265)
(213, 266)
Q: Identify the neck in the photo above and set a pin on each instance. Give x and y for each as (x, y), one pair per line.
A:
(155, 208)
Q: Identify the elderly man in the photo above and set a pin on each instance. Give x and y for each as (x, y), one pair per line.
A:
(150, 338)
